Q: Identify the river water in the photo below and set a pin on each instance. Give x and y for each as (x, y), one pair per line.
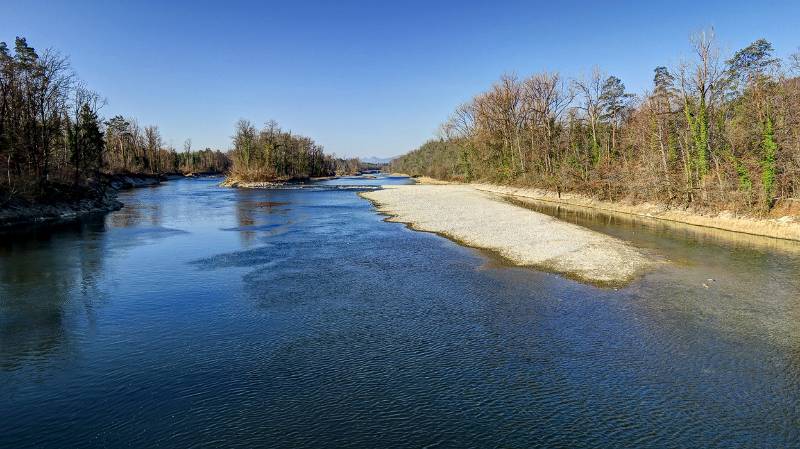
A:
(199, 316)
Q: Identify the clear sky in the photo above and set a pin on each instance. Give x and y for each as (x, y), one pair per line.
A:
(366, 78)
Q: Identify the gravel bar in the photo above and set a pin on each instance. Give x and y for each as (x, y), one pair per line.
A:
(521, 236)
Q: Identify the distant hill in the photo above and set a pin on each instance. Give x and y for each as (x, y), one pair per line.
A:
(377, 160)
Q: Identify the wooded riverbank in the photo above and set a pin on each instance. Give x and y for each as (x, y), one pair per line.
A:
(783, 223)
(776, 225)
(65, 202)
(710, 135)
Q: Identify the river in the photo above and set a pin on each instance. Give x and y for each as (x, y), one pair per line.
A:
(199, 316)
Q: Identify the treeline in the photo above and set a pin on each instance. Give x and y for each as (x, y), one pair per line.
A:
(709, 133)
(272, 154)
(133, 149)
(51, 131)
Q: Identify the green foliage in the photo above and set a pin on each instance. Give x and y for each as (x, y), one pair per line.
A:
(768, 167)
(613, 98)
(663, 81)
(701, 139)
(34, 92)
(86, 142)
(714, 136)
(691, 123)
(672, 146)
(743, 175)
(751, 61)
(595, 151)
(697, 122)
(26, 55)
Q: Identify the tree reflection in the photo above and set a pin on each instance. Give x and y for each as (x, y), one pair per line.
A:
(48, 279)
(137, 213)
(258, 211)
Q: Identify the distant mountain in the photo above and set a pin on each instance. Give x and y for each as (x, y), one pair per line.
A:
(377, 160)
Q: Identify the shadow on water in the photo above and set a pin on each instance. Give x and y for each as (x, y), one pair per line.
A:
(50, 278)
(51, 283)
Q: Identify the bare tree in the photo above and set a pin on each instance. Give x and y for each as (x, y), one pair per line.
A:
(590, 90)
(547, 96)
(153, 148)
(794, 62)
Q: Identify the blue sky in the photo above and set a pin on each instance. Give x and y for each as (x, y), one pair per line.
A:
(361, 78)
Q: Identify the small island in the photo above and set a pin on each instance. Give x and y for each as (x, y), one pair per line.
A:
(271, 156)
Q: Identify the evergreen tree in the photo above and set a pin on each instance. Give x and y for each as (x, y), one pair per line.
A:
(86, 143)
(751, 62)
(613, 101)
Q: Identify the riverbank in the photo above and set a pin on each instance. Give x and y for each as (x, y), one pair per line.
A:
(267, 184)
(781, 226)
(60, 203)
(65, 202)
(523, 237)
(237, 183)
(784, 222)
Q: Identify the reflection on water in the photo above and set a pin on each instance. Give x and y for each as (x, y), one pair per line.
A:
(255, 215)
(203, 316)
(748, 284)
(60, 275)
(626, 226)
(137, 214)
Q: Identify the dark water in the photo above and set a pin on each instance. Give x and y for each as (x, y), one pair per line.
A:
(207, 317)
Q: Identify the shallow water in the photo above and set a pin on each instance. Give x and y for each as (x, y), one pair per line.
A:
(200, 316)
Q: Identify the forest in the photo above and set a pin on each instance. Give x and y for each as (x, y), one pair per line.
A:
(711, 133)
(52, 133)
(273, 154)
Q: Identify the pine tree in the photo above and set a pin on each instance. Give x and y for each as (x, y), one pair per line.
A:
(93, 138)
(86, 143)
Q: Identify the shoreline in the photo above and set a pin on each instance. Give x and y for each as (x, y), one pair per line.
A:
(236, 184)
(277, 183)
(20, 213)
(520, 236)
(785, 227)
(98, 198)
